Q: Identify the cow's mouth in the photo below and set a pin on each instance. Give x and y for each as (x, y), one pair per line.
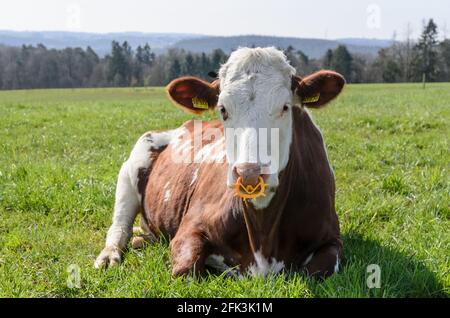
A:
(246, 192)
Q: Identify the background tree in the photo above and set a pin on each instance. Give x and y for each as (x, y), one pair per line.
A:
(189, 65)
(175, 69)
(120, 64)
(341, 62)
(327, 59)
(425, 56)
(444, 61)
(218, 57)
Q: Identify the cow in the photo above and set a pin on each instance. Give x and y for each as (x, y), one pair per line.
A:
(187, 193)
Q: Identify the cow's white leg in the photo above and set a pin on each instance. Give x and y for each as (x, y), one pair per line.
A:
(129, 196)
(125, 209)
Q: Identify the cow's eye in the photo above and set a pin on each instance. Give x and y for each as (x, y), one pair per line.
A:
(223, 112)
(285, 108)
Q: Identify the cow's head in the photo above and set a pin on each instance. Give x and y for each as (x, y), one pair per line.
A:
(253, 96)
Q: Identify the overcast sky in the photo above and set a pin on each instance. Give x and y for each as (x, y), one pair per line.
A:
(313, 18)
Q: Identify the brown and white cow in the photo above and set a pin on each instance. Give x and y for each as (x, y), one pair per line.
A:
(182, 180)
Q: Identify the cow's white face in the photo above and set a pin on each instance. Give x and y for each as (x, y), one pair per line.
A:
(255, 106)
(254, 96)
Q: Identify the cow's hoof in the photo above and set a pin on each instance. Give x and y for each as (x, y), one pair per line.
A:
(109, 257)
(142, 240)
(179, 272)
(138, 242)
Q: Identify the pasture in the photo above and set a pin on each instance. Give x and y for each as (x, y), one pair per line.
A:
(61, 151)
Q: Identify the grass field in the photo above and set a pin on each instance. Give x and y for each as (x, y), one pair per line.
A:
(61, 151)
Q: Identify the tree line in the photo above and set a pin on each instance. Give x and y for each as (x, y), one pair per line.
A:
(404, 61)
(39, 67)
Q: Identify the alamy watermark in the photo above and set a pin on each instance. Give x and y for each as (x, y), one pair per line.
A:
(374, 276)
(73, 20)
(74, 276)
(373, 16)
(212, 145)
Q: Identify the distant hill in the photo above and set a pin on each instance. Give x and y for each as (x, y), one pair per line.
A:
(314, 48)
(160, 42)
(101, 43)
(366, 42)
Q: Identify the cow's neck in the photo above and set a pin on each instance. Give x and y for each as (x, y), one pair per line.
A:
(263, 225)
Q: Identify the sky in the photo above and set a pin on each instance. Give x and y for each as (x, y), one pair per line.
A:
(328, 19)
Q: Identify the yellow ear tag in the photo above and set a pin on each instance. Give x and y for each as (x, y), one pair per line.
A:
(199, 103)
(311, 99)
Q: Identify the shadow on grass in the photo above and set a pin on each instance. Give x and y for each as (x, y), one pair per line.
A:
(401, 274)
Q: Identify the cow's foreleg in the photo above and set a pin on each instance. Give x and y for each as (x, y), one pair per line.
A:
(325, 260)
(188, 249)
(125, 209)
(131, 185)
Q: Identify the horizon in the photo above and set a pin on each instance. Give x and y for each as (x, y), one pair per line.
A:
(191, 34)
(364, 19)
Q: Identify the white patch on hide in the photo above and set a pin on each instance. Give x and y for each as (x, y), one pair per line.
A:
(194, 177)
(263, 267)
(166, 192)
(336, 266)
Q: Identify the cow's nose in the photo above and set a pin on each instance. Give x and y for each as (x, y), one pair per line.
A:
(249, 173)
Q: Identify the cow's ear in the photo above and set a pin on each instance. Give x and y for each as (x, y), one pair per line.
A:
(193, 94)
(319, 88)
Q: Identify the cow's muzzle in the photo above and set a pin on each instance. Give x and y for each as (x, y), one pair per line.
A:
(249, 182)
(248, 173)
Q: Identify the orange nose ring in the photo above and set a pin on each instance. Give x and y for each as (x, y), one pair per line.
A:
(249, 191)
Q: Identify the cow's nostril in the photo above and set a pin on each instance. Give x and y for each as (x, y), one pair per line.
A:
(248, 168)
(248, 172)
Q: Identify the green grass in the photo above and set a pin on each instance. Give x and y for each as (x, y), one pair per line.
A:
(61, 151)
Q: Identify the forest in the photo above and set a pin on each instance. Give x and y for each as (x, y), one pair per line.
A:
(425, 59)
